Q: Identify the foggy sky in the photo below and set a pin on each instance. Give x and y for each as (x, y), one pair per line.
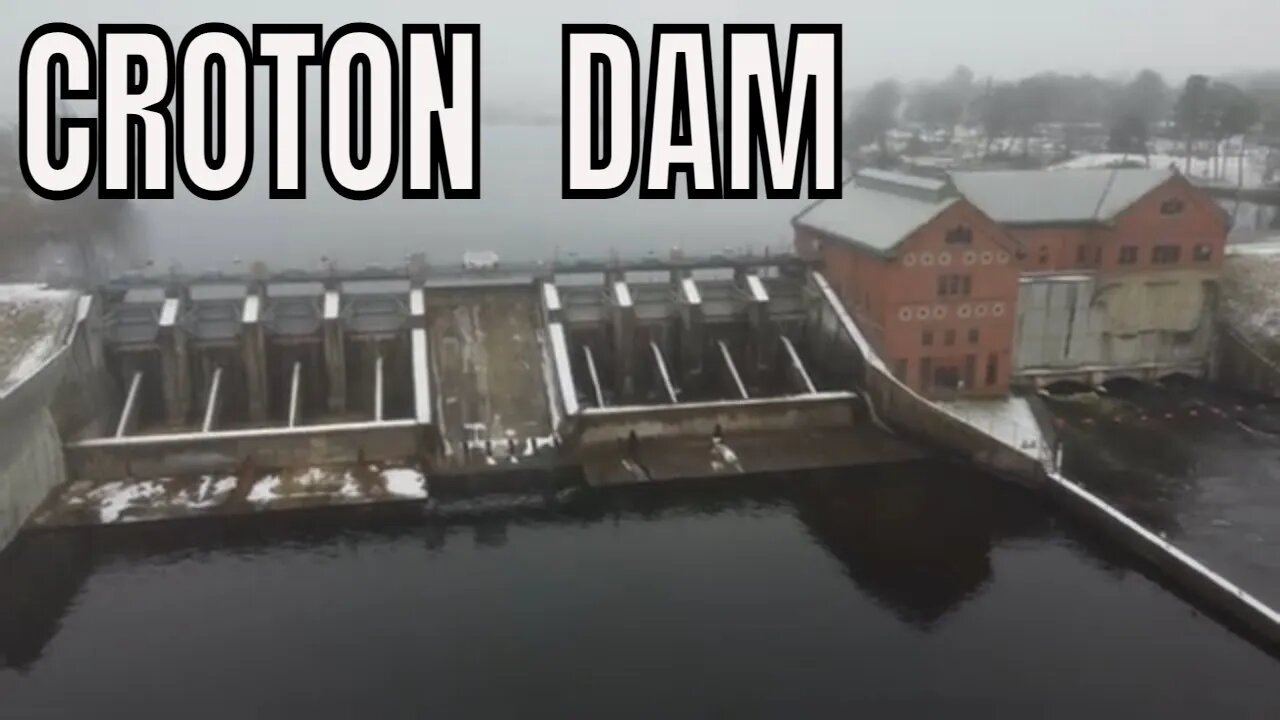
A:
(906, 39)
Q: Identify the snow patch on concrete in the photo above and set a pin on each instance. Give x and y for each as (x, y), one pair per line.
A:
(265, 490)
(405, 483)
(30, 318)
(114, 498)
(1009, 420)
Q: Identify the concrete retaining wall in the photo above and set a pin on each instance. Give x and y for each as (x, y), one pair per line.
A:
(611, 425)
(1262, 624)
(31, 459)
(914, 415)
(171, 455)
(31, 466)
(901, 408)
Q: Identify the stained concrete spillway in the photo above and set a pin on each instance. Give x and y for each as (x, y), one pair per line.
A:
(631, 373)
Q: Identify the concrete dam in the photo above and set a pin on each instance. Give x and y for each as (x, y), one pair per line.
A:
(216, 394)
(631, 372)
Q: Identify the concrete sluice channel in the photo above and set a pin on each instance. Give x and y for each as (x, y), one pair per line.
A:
(239, 394)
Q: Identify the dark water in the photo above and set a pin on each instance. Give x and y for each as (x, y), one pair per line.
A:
(911, 591)
(1196, 462)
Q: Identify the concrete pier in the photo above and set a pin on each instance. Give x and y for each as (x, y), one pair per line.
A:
(335, 351)
(254, 352)
(175, 364)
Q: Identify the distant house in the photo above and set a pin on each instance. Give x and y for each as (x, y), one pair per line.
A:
(983, 279)
(930, 277)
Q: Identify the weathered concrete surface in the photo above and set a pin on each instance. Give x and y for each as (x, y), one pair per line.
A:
(31, 466)
(488, 370)
(740, 453)
(168, 455)
(1090, 328)
(33, 322)
(84, 502)
(611, 425)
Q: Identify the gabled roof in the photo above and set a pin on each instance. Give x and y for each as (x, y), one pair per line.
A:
(1041, 197)
(879, 209)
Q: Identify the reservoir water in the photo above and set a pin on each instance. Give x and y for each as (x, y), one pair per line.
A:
(912, 591)
(908, 591)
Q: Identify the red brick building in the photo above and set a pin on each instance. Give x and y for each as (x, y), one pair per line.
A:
(932, 271)
(1112, 221)
(930, 278)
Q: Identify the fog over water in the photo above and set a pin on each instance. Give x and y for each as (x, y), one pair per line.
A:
(520, 215)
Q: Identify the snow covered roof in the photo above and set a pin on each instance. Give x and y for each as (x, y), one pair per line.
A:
(1032, 197)
(879, 209)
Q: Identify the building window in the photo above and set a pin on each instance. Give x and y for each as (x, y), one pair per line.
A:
(949, 339)
(973, 336)
(1044, 255)
(1166, 254)
(959, 235)
(926, 338)
(993, 368)
(954, 285)
(1128, 254)
(1171, 207)
(1203, 253)
(1082, 255)
(947, 377)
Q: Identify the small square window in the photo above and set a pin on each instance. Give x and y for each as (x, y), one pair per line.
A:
(1203, 253)
(973, 336)
(926, 338)
(1166, 254)
(1171, 207)
(1129, 255)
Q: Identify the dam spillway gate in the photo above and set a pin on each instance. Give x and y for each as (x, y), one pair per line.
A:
(632, 372)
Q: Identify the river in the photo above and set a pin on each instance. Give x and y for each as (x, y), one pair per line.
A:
(912, 591)
(920, 590)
